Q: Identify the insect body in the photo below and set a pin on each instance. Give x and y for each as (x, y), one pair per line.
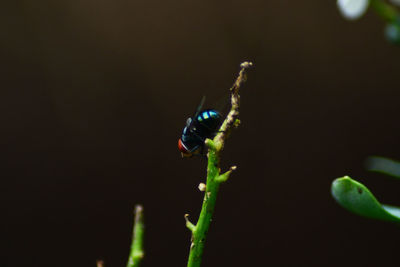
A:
(204, 124)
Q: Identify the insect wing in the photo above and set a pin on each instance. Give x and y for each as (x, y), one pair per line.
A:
(223, 104)
(191, 120)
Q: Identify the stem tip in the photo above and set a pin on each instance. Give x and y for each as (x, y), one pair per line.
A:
(246, 65)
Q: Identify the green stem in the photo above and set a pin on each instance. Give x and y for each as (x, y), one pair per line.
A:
(214, 178)
(386, 11)
(137, 253)
(199, 232)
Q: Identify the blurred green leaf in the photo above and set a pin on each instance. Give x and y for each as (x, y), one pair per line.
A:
(392, 33)
(356, 198)
(383, 165)
(385, 10)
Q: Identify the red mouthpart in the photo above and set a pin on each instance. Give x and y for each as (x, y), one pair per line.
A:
(182, 147)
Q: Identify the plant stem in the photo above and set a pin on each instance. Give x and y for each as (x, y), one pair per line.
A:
(136, 255)
(386, 11)
(214, 178)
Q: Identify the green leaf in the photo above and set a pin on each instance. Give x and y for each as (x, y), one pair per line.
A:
(383, 165)
(356, 198)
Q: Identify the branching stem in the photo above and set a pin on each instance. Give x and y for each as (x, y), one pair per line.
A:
(214, 178)
(137, 253)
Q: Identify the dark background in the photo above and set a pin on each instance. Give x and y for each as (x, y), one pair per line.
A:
(94, 96)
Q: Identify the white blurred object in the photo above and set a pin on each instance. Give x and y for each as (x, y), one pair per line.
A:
(383, 165)
(396, 2)
(353, 9)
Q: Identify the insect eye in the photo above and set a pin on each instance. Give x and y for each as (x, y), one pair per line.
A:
(182, 147)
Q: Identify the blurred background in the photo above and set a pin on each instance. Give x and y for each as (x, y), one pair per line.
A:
(94, 96)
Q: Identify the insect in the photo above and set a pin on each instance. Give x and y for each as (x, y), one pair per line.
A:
(202, 125)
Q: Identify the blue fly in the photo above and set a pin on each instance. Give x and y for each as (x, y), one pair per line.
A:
(202, 125)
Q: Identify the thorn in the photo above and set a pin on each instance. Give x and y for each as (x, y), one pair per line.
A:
(202, 187)
(224, 177)
(189, 225)
(236, 123)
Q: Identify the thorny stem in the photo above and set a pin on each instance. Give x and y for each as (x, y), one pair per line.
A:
(137, 253)
(214, 178)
